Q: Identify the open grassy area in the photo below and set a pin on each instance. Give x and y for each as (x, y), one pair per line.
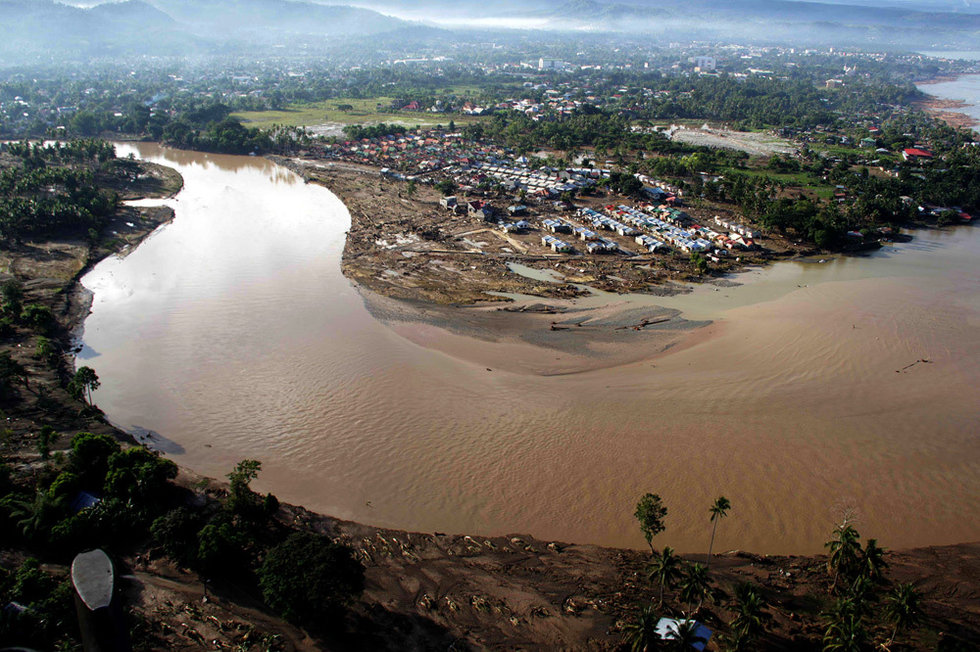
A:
(802, 180)
(805, 179)
(362, 111)
(843, 150)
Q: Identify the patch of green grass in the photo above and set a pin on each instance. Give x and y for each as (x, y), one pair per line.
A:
(802, 180)
(788, 178)
(362, 111)
(841, 150)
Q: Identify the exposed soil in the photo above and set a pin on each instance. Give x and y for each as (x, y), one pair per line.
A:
(945, 110)
(753, 143)
(429, 591)
(409, 247)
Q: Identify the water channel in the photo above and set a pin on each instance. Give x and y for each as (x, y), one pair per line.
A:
(231, 333)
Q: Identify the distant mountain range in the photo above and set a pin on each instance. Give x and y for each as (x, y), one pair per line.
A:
(45, 29)
(33, 29)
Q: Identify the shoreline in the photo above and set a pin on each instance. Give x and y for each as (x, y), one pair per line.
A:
(406, 246)
(51, 271)
(538, 337)
(945, 109)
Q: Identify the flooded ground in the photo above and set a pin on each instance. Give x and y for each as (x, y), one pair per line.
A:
(818, 388)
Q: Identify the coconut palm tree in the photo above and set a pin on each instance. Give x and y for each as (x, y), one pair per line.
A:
(749, 607)
(665, 569)
(684, 636)
(718, 511)
(694, 585)
(846, 631)
(845, 552)
(642, 636)
(903, 609)
(873, 561)
(33, 515)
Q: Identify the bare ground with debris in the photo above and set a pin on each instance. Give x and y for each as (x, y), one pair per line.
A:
(406, 246)
(752, 143)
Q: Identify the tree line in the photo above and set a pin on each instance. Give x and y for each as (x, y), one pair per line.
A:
(862, 609)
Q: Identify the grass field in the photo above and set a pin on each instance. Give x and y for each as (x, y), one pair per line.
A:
(804, 180)
(363, 111)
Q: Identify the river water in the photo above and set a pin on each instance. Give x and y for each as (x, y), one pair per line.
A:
(965, 88)
(231, 333)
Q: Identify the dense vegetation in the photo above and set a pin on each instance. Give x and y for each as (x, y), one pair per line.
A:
(123, 500)
(53, 189)
(227, 136)
(357, 132)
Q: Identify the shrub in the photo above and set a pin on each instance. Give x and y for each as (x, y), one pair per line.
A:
(139, 475)
(308, 577)
(176, 533)
(90, 457)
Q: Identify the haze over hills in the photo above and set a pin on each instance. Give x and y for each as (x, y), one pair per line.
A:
(44, 29)
(33, 29)
(916, 23)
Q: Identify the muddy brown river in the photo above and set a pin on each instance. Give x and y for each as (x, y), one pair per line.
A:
(231, 333)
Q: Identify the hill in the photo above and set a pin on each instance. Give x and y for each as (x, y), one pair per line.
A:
(47, 31)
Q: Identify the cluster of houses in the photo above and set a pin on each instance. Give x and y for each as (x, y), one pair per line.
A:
(601, 221)
(664, 225)
(653, 227)
(543, 182)
(553, 103)
(660, 191)
(555, 244)
(411, 154)
(737, 229)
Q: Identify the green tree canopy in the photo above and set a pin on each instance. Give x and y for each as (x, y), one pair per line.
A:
(308, 577)
(650, 512)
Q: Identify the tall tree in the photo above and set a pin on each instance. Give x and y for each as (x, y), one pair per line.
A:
(650, 512)
(718, 511)
(84, 382)
(665, 569)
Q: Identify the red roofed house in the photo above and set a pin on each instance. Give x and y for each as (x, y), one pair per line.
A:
(916, 154)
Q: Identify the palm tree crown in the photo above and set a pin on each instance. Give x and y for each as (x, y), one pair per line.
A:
(718, 511)
(845, 552)
(665, 569)
(749, 607)
(642, 636)
(720, 508)
(694, 585)
(903, 608)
